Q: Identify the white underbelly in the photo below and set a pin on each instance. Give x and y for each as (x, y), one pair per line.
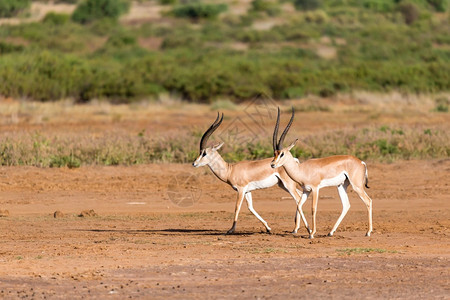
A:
(335, 181)
(262, 184)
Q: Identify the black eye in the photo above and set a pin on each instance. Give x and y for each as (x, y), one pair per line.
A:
(282, 154)
(204, 154)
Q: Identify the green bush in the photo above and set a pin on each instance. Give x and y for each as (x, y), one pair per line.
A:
(307, 4)
(442, 104)
(168, 2)
(9, 48)
(10, 8)
(197, 11)
(56, 19)
(67, 1)
(91, 10)
(379, 5)
(270, 7)
(409, 11)
(439, 5)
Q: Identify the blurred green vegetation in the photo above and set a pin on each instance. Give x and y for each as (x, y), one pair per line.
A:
(10, 8)
(203, 52)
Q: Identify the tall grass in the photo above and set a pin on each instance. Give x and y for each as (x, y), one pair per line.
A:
(381, 144)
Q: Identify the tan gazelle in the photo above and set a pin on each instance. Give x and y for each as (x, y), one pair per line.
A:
(246, 176)
(314, 174)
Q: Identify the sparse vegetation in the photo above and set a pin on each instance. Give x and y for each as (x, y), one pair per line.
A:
(374, 144)
(442, 104)
(350, 251)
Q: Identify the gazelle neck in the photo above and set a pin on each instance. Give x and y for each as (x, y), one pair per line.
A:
(291, 166)
(219, 167)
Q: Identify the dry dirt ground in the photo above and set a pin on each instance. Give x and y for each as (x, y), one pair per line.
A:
(144, 244)
(160, 229)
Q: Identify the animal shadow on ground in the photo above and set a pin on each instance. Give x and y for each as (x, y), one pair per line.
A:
(200, 232)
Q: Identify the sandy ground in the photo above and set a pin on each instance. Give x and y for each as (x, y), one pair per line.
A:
(145, 243)
(159, 230)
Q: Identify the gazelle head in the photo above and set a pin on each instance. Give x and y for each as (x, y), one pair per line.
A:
(281, 155)
(208, 154)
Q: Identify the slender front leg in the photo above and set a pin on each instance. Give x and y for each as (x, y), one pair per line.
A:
(248, 197)
(315, 193)
(239, 200)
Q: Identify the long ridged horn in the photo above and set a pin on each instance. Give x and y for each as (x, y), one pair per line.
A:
(210, 131)
(283, 135)
(275, 132)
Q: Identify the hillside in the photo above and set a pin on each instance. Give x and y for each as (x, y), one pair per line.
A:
(201, 50)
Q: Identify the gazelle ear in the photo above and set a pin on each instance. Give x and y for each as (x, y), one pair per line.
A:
(217, 147)
(292, 145)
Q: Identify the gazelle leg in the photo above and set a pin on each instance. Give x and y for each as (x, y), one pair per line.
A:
(239, 200)
(297, 219)
(248, 197)
(342, 189)
(368, 202)
(315, 193)
(300, 203)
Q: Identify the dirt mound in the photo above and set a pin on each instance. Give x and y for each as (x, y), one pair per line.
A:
(88, 213)
(58, 214)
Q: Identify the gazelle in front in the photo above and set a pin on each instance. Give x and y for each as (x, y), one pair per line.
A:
(314, 174)
(246, 176)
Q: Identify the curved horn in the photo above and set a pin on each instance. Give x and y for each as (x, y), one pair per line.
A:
(275, 132)
(283, 135)
(210, 131)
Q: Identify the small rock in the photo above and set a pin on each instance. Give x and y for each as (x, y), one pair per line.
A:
(4, 213)
(58, 214)
(88, 213)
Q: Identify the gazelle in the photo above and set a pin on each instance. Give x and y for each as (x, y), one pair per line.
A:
(246, 176)
(314, 174)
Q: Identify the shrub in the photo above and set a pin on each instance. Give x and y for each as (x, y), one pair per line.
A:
(199, 11)
(442, 104)
(317, 16)
(67, 1)
(307, 4)
(167, 2)
(10, 8)
(267, 6)
(379, 5)
(56, 19)
(91, 10)
(409, 11)
(9, 48)
(439, 5)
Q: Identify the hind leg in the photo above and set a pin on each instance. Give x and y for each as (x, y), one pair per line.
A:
(342, 189)
(304, 197)
(368, 202)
